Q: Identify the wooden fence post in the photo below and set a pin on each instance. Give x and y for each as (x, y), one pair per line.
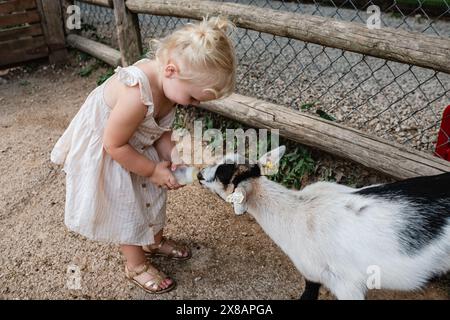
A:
(128, 33)
(52, 25)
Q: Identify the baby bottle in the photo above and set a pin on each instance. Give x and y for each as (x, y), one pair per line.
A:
(185, 175)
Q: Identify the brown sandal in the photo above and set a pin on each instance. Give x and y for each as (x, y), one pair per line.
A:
(153, 285)
(176, 253)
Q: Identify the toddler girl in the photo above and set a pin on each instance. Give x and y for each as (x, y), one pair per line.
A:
(117, 150)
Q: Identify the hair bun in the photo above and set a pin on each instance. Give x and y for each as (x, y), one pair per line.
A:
(218, 23)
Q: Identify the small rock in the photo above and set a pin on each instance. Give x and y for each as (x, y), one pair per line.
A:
(197, 279)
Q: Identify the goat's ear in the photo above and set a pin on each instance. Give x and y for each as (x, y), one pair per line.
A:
(239, 201)
(269, 161)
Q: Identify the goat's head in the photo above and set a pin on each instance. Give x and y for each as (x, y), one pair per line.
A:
(231, 177)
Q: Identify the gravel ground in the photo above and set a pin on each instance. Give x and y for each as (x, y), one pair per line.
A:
(391, 100)
(232, 257)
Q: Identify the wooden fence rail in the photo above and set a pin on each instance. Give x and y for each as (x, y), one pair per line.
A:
(386, 43)
(96, 49)
(390, 158)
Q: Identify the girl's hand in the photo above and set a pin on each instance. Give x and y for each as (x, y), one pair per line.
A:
(174, 166)
(163, 177)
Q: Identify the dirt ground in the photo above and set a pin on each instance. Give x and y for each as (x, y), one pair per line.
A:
(232, 257)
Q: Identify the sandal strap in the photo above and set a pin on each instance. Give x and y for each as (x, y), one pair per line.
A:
(158, 246)
(157, 276)
(155, 282)
(161, 243)
(136, 272)
(144, 268)
(177, 250)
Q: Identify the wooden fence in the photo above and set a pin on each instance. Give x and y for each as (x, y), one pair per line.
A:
(414, 48)
(31, 29)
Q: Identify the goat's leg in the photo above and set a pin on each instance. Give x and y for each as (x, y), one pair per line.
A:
(311, 291)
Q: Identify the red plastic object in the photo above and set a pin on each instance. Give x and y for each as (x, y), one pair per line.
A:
(443, 142)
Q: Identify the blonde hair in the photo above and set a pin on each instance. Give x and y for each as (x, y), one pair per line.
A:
(204, 54)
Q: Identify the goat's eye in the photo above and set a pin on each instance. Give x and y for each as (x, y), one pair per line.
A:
(225, 172)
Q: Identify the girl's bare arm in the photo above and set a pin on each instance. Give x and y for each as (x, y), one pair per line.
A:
(123, 121)
(164, 146)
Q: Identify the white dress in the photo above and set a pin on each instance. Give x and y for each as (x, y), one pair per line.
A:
(104, 201)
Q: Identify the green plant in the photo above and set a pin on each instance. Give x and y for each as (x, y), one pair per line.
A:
(351, 182)
(105, 76)
(178, 123)
(308, 105)
(294, 166)
(327, 174)
(320, 112)
(83, 56)
(145, 55)
(325, 115)
(87, 70)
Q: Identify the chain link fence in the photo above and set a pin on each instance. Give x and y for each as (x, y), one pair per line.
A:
(395, 101)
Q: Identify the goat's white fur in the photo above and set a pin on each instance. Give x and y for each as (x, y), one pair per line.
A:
(334, 236)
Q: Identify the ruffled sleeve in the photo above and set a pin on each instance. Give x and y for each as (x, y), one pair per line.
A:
(132, 76)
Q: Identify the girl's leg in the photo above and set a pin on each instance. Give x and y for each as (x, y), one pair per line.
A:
(159, 236)
(135, 258)
(167, 246)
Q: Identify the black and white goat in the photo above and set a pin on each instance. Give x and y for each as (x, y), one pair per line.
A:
(389, 236)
